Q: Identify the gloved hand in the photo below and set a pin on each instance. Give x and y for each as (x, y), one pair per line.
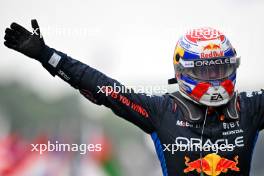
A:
(29, 43)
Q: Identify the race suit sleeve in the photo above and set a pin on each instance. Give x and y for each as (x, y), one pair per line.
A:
(142, 110)
(254, 107)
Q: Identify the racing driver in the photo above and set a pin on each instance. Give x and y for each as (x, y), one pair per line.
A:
(205, 128)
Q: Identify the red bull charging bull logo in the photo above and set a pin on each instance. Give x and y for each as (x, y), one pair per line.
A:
(211, 46)
(212, 50)
(212, 165)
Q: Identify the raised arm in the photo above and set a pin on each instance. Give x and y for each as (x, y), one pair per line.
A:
(140, 109)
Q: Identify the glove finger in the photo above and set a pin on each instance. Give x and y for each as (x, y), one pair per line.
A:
(36, 29)
(34, 24)
(10, 37)
(12, 32)
(18, 28)
(10, 45)
(9, 31)
(14, 42)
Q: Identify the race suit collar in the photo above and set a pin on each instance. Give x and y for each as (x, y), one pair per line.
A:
(194, 113)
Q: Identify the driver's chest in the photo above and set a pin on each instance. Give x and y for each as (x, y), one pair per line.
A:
(214, 138)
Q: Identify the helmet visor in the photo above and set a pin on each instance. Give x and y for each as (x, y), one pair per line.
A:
(210, 69)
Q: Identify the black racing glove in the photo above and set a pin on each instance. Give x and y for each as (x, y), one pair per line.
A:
(20, 39)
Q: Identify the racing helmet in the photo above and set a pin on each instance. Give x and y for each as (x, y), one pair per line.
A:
(205, 65)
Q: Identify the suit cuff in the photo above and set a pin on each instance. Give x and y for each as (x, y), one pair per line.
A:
(51, 60)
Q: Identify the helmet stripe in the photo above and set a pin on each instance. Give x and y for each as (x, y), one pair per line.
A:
(188, 80)
(200, 90)
(229, 86)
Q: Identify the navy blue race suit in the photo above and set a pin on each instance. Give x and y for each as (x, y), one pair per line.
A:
(227, 145)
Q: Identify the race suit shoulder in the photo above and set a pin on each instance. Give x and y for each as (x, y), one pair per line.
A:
(213, 147)
(253, 102)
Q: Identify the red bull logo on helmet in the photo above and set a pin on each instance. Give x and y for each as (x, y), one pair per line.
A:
(212, 50)
(212, 54)
(211, 46)
(211, 165)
